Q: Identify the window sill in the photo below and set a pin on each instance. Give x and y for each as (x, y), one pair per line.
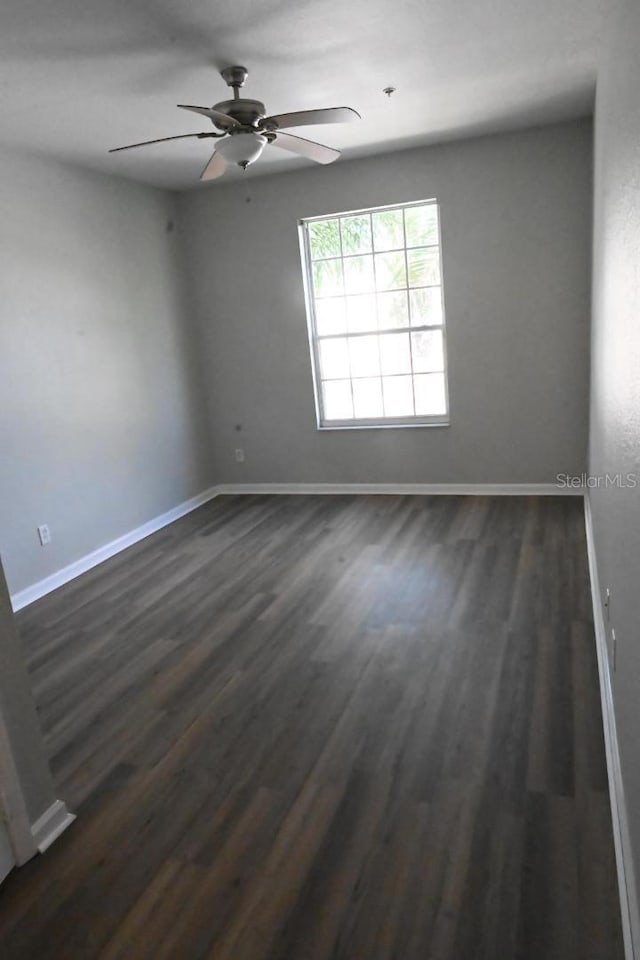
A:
(322, 427)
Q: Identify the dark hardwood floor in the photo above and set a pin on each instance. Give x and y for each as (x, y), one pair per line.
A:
(326, 728)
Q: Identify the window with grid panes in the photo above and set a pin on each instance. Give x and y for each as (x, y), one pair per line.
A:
(376, 316)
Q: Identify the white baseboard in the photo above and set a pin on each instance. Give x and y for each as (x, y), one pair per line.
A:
(407, 489)
(51, 824)
(24, 597)
(621, 838)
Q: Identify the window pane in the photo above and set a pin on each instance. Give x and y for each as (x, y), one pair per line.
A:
(394, 353)
(361, 312)
(365, 359)
(324, 239)
(388, 230)
(331, 316)
(327, 278)
(392, 310)
(391, 271)
(337, 400)
(430, 394)
(426, 306)
(421, 225)
(334, 359)
(356, 234)
(398, 396)
(428, 354)
(358, 274)
(367, 397)
(424, 266)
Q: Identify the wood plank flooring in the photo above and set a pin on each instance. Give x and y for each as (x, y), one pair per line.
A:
(326, 728)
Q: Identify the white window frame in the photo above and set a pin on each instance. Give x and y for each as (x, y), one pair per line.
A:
(440, 420)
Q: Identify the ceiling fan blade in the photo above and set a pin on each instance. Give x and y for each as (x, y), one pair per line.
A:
(306, 148)
(146, 143)
(303, 118)
(221, 118)
(214, 168)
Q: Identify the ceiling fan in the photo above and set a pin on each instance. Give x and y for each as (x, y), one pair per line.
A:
(246, 130)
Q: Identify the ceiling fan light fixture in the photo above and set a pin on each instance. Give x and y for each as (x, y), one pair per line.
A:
(242, 148)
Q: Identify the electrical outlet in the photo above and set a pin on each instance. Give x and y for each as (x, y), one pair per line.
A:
(239, 455)
(44, 534)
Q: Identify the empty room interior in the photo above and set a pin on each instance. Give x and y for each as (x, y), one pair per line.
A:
(319, 463)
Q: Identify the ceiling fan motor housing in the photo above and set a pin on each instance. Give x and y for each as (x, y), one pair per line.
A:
(246, 112)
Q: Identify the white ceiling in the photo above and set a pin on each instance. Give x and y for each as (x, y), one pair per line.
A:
(80, 76)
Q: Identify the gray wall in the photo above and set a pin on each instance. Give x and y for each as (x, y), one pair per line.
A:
(100, 417)
(516, 224)
(615, 388)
